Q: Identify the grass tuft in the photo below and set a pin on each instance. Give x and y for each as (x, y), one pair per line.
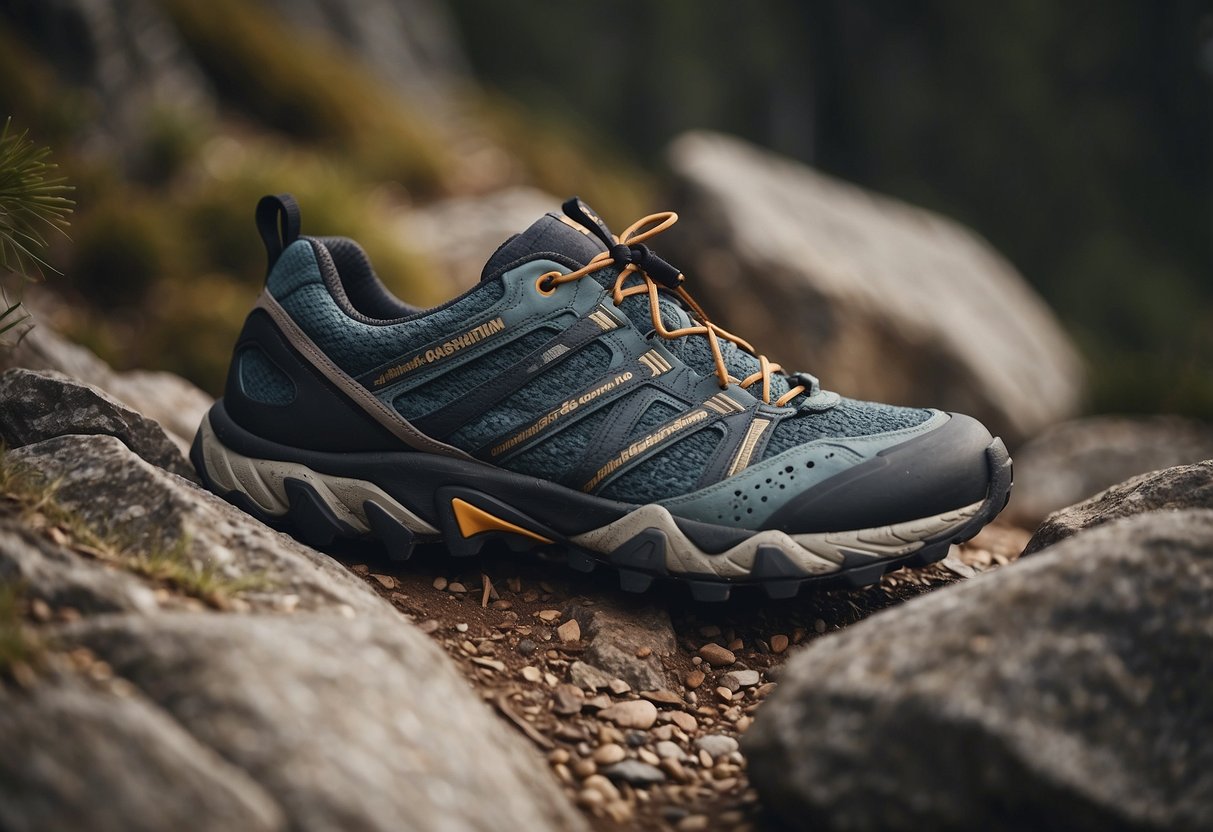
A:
(169, 564)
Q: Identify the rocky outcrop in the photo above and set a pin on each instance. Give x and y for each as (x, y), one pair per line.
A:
(880, 299)
(458, 235)
(1069, 691)
(311, 704)
(85, 757)
(110, 488)
(1185, 486)
(1076, 460)
(412, 44)
(626, 639)
(42, 405)
(125, 56)
(345, 723)
(168, 399)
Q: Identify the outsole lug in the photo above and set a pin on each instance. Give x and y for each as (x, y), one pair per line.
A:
(633, 581)
(713, 592)
(311, 516)
(644, 551)
(861, 576)
(396, 538)
(772, 563)
(781, 590)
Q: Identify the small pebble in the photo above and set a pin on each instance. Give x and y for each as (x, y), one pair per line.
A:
(718, 745)
(584, 767)
(548, 616)
(635, 772)
(526, 647)
(716, 656)
(385, 581)
(609, 754)
(779, 643)
(440, 583)
(461, 627)
(531, 674)
(694, 679)
(569, 631)
(670, 751)
(456, 587)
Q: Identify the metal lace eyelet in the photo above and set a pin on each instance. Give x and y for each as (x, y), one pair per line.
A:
(544, 284)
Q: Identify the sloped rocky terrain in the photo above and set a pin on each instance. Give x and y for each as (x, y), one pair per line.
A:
(149, 628)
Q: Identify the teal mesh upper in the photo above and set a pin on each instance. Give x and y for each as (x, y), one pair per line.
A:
(536, 396)
(849, 418)
(358, 346)
(454, 382)
(555, 457)
(674, 470)
(262, 380)
(354, 345)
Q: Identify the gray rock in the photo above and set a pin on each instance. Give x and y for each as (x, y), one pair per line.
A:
(411, 43)
(738, 679)
(171, 400)
(38, 405)
(1067, 691)
(880, 299)
(78, 757)
(718, 745)
(63, 578)
(1075, 460)
(103, 482)
(615, 629)
(635, 772)
(126, 57)
(668, 750)
(588, 677)
(346, 723)
(1185, 486)
(459, 234)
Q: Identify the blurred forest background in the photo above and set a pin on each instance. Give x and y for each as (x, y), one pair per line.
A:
(1076, 137)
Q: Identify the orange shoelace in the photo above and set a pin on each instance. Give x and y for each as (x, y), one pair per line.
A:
(632, 236)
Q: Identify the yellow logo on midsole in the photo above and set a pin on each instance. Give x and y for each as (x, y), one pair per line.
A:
(565, 408)
(642, 445)
(467, 339)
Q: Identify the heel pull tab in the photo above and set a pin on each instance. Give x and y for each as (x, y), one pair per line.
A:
(278, 223)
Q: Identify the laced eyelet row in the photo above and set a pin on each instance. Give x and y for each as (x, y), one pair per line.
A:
(634, 234)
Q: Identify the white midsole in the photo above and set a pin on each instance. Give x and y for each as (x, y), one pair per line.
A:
(263, 481)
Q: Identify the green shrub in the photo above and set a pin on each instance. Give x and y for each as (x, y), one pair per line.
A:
(310, 89)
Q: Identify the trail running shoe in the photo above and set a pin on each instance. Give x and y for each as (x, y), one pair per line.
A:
(576, 398)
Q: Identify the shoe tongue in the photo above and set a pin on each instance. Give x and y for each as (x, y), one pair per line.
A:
(550, 234)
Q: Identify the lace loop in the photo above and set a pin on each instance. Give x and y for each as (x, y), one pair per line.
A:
(632, 258)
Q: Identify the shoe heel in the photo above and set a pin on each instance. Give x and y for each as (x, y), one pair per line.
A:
(315, 507)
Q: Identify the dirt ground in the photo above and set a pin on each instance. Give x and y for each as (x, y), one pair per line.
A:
(505, 619)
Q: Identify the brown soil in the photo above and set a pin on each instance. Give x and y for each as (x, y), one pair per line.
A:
(487, 617)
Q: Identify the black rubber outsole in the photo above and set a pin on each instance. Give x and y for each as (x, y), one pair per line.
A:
(639, 561)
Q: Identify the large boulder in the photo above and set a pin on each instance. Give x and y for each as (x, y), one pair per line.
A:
(170, 400)
(345, 723)
(79, 756)
(42, 405)
(109, 487)
(311, 704)
(880, 299)
(459, 234)
(1075, 460)
(1068, 691)
(1181, 487)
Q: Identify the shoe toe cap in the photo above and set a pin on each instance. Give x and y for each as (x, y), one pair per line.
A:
(936, 472)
